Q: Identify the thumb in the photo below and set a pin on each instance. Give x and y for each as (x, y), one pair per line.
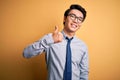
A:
(56, 29)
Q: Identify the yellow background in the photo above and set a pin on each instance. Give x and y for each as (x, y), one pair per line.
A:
(25, 21)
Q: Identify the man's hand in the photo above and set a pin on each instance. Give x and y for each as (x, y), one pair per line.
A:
(57, 36)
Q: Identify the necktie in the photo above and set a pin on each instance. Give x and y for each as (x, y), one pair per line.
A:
(68, 65)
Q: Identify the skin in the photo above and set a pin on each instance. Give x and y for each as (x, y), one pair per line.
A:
(70, 27)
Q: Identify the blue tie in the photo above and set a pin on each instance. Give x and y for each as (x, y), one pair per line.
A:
(68, 65)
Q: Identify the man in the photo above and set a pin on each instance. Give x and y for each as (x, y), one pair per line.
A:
(66, 55)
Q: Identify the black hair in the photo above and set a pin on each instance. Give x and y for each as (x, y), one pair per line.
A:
(78, 7)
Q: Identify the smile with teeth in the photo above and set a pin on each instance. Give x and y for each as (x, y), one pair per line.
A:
(73, 25)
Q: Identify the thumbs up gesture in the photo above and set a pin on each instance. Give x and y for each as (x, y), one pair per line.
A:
(57, 36)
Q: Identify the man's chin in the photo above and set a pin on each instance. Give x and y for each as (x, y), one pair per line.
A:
(73, 30)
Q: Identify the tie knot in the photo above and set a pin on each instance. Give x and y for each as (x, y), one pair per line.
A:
(69, 39)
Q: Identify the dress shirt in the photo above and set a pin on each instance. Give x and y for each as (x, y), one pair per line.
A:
(55, 55)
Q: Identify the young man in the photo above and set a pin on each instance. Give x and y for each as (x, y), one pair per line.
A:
(66, 55)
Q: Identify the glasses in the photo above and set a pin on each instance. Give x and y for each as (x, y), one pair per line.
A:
(74, 17)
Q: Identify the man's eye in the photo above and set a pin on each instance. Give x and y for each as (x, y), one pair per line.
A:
(72, 16)
(80, 19)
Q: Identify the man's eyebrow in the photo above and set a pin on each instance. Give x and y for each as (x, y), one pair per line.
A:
(76, 16)
(81, 17)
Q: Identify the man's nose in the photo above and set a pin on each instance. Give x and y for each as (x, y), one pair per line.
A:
(75, 20)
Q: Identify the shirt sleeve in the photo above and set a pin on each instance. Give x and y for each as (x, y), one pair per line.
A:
(38, 47)
(84, 66)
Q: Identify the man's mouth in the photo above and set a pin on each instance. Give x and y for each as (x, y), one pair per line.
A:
(74, 26)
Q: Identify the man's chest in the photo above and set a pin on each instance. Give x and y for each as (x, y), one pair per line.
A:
(58, 51)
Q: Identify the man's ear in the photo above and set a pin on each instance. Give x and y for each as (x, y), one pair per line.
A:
(64, 19)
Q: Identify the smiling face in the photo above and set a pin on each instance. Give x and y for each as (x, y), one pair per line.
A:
(72, 22)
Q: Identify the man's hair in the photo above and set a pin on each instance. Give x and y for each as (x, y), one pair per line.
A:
(78, 7)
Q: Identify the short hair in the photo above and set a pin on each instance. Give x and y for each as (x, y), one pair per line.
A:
(78, 7)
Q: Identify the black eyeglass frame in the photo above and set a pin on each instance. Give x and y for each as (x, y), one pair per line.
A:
(74, 17)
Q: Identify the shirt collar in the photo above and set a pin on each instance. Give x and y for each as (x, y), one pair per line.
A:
(64, 35)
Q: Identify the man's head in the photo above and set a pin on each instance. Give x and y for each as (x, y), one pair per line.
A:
(73, 17)
(78, 7)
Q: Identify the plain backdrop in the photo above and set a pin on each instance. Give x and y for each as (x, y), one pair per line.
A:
(24, 21)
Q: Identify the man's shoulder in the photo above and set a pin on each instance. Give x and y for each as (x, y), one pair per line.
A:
(46, 35)
(80, 42)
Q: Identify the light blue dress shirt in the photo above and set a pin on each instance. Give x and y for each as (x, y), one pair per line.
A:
(55, 54)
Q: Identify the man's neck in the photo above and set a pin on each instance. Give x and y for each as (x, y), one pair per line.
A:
(69, 34)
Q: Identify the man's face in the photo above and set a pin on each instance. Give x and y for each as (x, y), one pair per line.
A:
(73, 21)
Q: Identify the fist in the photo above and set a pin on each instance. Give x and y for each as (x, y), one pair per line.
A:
(57, 36)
